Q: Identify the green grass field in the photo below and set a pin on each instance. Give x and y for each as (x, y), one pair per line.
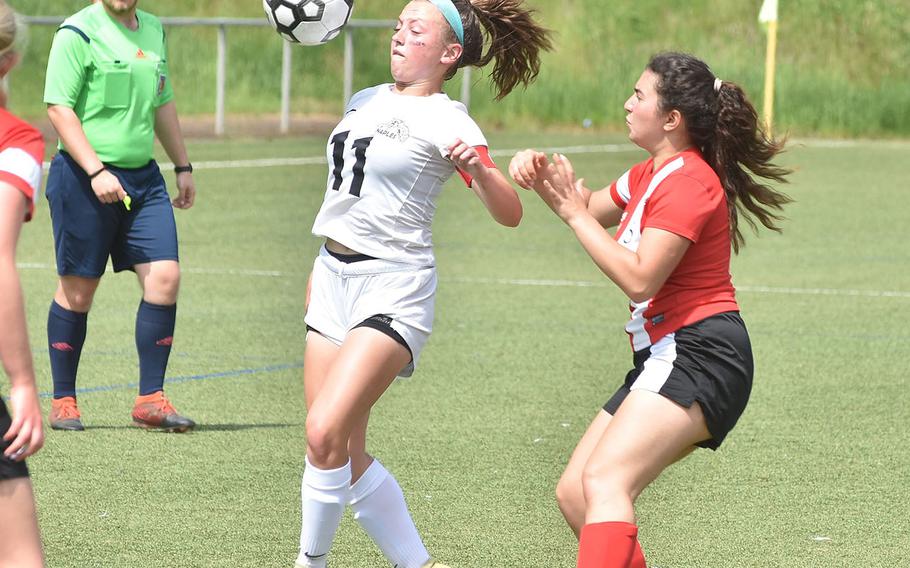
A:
(528, 343)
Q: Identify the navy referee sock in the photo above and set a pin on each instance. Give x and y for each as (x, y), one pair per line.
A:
(154, 336)
(65, 338)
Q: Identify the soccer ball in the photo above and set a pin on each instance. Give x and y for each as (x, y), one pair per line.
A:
(308, 22)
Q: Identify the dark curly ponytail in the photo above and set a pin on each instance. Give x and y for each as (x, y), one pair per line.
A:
(724, 125)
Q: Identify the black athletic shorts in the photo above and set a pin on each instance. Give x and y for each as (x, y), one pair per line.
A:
(709, 362)
(8, 469)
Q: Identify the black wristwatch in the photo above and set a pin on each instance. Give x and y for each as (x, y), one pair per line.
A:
(187, 169)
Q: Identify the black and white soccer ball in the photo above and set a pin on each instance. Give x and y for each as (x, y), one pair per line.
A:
(308, 22)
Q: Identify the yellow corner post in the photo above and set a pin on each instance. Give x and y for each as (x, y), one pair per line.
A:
(768, 15)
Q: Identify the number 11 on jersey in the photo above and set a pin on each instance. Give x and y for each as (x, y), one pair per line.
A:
(360, 158)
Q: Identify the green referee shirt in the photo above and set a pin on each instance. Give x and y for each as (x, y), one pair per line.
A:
(114, 79)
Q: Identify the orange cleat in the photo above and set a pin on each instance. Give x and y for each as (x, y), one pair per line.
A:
(65, 415)
(156, 411)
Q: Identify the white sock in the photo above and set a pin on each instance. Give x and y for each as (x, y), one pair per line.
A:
(324, 493)
(379, 507)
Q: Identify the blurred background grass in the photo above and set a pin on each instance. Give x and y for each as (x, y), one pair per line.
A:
(843, 65)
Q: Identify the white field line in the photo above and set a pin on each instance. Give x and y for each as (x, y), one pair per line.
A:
(588, 149)
(746, 289)
(846, 292)
(824, 291)
(856, 143)
(237, 272)
(321, 160)
(185, 270)
(235, 164)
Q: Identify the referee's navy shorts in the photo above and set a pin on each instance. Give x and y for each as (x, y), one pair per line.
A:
(87, 232)
(709, 362)
(9, 469)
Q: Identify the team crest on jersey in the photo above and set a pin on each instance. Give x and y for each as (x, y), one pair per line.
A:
(395, 129)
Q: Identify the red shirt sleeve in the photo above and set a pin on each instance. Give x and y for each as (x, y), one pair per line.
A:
(622, 189)
(682, 205)
(485, 159)
(620, 200)
(21, 156)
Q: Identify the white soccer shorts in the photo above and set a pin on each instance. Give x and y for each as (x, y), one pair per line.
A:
(343, 295)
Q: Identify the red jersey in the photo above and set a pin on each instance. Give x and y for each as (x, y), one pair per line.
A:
(685, 197)
(21, 155)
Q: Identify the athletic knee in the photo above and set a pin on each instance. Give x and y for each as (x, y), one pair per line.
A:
(569, 494)
(602, 483)
(326, 442)
(75, 297)
(162, 288)
(81, 303)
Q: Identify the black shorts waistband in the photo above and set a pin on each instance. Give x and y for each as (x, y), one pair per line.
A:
(349, 258)
(70, 158)
(732, 318)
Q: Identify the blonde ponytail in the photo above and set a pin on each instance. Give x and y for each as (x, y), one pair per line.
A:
(9, 28)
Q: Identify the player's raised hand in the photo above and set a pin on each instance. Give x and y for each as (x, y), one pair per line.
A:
(186, 187)
(525, 167)
(559, 189)
(465, 157)
(565, 166)
(107, 188)
(583, 191)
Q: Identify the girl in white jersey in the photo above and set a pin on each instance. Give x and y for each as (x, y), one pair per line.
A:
(21, 434)
(371, 293)
(678, 216)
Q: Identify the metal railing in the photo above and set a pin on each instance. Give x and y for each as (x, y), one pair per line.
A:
(286, 57)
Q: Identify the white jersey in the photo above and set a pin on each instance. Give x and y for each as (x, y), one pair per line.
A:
(387, 165)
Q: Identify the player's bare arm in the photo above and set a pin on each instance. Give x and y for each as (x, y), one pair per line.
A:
(26, 432)
(167, 128)
(640, 274)
(490, 185)
(599, 204)
(68, 126)
(526, 165)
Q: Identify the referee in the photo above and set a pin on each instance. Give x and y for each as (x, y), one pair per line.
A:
(108, 94)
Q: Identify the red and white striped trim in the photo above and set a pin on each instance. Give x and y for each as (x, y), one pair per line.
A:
(630, 239)
(622, 187)
(658, 366)
(25, 167)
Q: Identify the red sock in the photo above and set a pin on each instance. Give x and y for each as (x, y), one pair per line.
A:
(608, 545)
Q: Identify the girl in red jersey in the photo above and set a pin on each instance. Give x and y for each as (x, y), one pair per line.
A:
(21, 434)
(678, 216)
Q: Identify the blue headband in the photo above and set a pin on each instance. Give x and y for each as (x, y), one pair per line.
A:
(452, 16)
